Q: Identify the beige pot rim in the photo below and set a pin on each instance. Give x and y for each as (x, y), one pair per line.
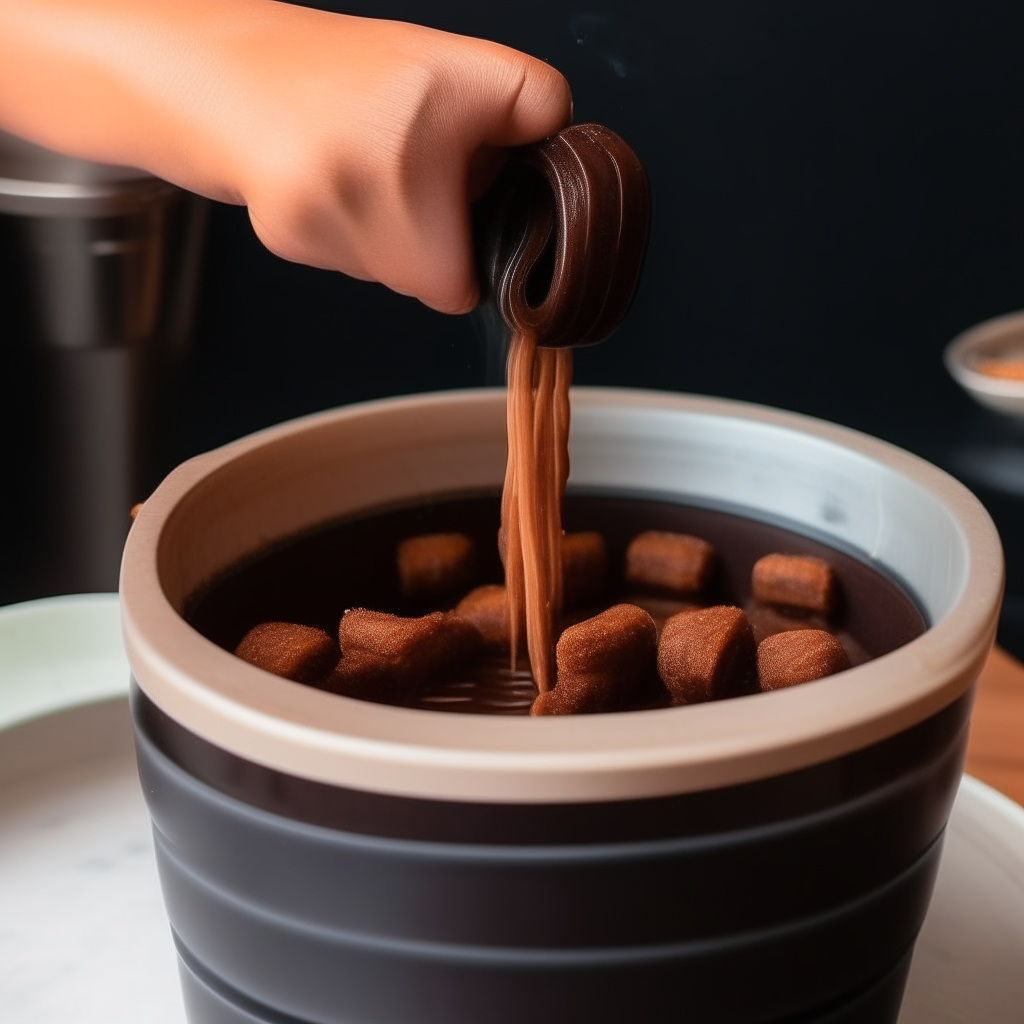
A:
(917, 521)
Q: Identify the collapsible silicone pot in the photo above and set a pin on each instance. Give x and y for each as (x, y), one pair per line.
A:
(763, 859)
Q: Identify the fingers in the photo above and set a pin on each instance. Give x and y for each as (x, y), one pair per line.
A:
(378, 183)
(496, 98)
(542, 105)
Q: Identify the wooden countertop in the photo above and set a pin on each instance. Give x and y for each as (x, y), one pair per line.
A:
(995, 751)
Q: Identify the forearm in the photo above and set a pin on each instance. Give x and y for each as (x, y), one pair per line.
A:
(353, 141)
(146, 83)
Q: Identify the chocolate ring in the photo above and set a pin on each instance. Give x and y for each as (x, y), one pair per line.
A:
(563, 235)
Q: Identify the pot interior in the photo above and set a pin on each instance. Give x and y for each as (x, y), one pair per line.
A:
(889, 508)
(338, 467)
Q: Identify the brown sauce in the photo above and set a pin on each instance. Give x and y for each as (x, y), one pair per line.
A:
(562, 237)
(531, 505)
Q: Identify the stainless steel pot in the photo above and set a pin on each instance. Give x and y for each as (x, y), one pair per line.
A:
(98, 275)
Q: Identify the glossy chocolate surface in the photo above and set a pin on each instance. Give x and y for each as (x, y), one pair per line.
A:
(562, 236)
(314, 578)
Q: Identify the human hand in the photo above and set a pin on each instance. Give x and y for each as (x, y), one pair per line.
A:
(357, 144)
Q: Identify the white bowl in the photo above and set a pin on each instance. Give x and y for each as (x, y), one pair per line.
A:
(999, 338)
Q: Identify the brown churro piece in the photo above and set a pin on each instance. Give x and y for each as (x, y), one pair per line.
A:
(366, 676)
(584, 564)
(799, 656)
(800, 581)
(435, 564)
(706, 654)
(303, 654)
(672, 562)
(768, 619)
(486, 608)
(661, 608)
(603, 663)
(416, 647)
(384, 654)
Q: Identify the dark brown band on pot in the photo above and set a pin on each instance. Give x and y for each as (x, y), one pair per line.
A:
(748, 805)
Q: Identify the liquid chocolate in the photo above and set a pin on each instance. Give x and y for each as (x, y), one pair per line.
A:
(531, 505)
(564, 233)
(312, 579)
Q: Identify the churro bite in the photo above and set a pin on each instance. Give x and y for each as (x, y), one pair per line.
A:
(660, 608)
(768, 619)
(303, 654)
(486, 609)
(673, 563)
(603, 663)
(387, 656)
(799, 581)
(707, 654)
(367, 676)
(584, 565)
(799, 656)
(435, 565)
(413, 649)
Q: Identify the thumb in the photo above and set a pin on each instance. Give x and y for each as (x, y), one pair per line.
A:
(490, 99)
(538, 104)
(529, 100)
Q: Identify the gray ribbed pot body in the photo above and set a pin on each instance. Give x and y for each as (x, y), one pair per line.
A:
(795, 899)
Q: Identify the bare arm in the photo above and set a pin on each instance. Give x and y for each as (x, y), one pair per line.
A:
(355, 143)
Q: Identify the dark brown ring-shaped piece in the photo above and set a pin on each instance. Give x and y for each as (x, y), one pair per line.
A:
(563, 235)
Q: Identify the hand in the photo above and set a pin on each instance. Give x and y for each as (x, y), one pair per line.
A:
(356, 144)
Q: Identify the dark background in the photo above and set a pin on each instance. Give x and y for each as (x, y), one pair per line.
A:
(838, 190)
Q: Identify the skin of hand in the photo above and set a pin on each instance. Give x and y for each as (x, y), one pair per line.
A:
(357, 144)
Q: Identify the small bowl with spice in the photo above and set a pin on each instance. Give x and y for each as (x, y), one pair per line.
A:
(987, 361)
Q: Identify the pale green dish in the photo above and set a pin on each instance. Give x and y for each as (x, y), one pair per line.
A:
(59, 652)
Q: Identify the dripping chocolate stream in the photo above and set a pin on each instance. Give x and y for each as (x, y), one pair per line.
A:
(564, 234)
(535, 476)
